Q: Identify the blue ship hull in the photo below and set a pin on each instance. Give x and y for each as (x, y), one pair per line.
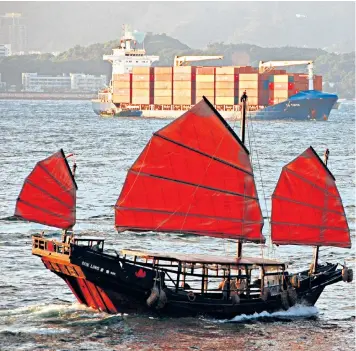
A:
(306, 105)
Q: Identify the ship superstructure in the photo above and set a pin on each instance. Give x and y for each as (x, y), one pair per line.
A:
(127, 56)
(123, 59)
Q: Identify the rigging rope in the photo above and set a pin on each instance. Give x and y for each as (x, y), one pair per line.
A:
(270, 246)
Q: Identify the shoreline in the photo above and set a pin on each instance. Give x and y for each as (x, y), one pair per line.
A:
(46, 96)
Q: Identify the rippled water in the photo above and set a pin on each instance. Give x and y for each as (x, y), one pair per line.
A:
(37, 310)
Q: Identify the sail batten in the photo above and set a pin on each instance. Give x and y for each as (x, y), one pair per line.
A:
(194, 185)
(63, 186)
(48, 195)
(204, 154)
(193, 176)
(307, 207)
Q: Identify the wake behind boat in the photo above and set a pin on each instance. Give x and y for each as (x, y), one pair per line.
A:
(194, 176)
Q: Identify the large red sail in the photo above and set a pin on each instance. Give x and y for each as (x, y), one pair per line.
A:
(193, 176)
(306, 205)
(48, 195)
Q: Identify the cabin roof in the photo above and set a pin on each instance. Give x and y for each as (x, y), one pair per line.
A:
(199, 258)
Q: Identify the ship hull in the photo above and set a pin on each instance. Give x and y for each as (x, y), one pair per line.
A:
(111, 284)
(307, 105)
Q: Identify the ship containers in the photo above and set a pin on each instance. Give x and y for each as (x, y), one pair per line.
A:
(226, 86)
(184, 85)
(249, 82)
(122, 88)
(142, 85)
(205, 84)
(318, 83)
(263, 89)
(281, 87)
(301, 82)
(162, 92)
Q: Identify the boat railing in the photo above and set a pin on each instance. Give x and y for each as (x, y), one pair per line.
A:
(49, 245)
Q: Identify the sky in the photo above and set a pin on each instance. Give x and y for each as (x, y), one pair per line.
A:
(58, 26)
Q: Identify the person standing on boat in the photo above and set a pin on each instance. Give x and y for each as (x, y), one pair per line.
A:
(225, 287)
(244, 97)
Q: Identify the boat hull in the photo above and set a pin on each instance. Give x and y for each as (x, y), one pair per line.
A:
(306, 105)
(111, 284)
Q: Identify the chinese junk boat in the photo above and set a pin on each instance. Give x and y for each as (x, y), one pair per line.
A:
(194, 176)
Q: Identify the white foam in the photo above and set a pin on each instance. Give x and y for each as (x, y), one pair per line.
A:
(297, 311)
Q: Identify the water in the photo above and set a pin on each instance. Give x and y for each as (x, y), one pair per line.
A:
(37, 310)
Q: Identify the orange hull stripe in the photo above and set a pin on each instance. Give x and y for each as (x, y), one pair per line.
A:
(73, 290)
(110, 306)
(86, 293)
(96, 296)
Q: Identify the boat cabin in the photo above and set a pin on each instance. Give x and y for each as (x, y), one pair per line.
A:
(211, 276)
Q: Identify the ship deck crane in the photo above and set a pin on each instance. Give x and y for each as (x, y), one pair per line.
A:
(182, 60)
(269, 65)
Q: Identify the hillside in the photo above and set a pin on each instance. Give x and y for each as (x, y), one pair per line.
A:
(335, 68)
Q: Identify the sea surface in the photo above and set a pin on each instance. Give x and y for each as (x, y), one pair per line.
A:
(37, 310)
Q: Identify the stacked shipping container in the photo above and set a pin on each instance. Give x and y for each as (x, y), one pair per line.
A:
(122, 88)
(163, 77)
(226, 86)
(142, 84)
(184, 85)
(205, 84)
(223, 86)
(249, 82)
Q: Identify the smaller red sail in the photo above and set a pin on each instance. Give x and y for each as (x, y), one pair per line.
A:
(48, 195)
(306, 205)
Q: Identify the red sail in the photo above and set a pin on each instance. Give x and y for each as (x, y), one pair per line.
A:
(48, 195)
(306, 205)
(193, 176)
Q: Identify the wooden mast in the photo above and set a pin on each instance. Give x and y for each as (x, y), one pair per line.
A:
(316, 248)
(242, 137)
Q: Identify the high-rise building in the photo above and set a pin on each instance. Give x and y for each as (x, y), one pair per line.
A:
(13, 32)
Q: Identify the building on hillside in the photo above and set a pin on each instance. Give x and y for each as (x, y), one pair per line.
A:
(5, 50)
(65, 83)
(2, 84)
(87, 82)
(43, 83)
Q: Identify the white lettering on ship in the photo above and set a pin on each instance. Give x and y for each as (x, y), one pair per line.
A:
(97, 268)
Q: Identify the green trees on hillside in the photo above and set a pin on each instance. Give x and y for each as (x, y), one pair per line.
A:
(338, 70)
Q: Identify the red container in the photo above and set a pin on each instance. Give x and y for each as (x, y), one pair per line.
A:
(291, 86)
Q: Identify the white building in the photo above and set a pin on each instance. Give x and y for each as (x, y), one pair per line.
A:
(74, 82)
(2, 84)
(5, 50)
(42, 83)
(87, 82)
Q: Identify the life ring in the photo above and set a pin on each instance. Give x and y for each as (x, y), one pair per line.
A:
(191, 296)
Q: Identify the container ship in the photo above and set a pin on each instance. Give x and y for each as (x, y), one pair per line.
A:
(139, 90)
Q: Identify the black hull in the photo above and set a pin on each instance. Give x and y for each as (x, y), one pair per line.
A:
(111, 286)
